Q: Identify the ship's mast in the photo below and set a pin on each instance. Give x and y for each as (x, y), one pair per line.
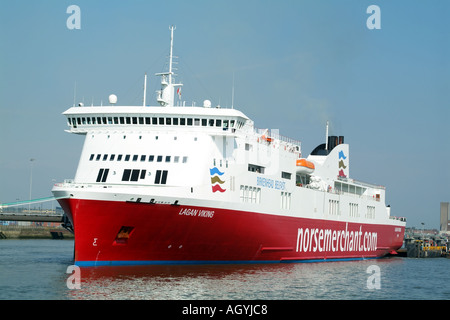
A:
(166, 94)
(145, 90)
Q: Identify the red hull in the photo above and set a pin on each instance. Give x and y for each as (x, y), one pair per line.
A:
(112, 233)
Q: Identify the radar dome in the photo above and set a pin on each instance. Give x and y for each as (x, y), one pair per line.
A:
(112, 99)
(207, 104)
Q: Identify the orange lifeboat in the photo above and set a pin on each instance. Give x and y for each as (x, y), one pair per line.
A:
(267, 139)
(305, 166)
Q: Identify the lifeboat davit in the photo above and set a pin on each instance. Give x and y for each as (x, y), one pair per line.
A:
(305, 166)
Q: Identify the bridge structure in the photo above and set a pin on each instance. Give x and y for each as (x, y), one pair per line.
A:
(15, 211)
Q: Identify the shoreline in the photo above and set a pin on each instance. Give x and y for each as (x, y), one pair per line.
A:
(34, 232)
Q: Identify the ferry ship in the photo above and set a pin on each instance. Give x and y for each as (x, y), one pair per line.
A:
(183, 184)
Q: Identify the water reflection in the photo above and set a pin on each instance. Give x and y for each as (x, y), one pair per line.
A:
(330, 280)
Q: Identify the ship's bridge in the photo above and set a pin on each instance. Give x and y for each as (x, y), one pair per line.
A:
(83, 119)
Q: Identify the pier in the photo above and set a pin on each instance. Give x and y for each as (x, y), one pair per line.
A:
(18, 220)
(33, 216)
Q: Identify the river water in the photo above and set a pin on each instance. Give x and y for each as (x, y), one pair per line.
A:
(37, 270)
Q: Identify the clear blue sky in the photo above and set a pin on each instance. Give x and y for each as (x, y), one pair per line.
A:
(296, 65)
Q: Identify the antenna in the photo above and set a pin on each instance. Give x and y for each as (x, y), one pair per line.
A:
(172, 28)
(165, 96)
(74, 93)
(145, 89)
(232, 94)
(326, 137)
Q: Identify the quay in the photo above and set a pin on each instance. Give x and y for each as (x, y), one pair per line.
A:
(34, 231)
(20, 221)
(425, 245)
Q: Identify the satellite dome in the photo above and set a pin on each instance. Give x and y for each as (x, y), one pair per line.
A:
(112, 99)
(207, 104)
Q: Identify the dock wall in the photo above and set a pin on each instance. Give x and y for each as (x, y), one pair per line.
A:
(34, 232)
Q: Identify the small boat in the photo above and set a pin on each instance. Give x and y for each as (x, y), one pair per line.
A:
(305, 166)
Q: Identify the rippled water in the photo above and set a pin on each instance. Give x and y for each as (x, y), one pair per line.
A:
(36, 269)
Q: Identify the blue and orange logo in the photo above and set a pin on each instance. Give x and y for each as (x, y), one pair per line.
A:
(215, 180)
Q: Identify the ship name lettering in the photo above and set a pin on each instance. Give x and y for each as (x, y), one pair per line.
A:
(196, 213)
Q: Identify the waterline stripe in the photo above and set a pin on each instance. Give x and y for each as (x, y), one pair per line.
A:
(201, 262)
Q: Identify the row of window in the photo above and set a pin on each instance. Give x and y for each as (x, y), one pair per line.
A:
(167, 121)
(135, 158)
(354, 210)
(136, 175)
(285, 200)
(333, 209)
(370, 214)
(250, 194)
